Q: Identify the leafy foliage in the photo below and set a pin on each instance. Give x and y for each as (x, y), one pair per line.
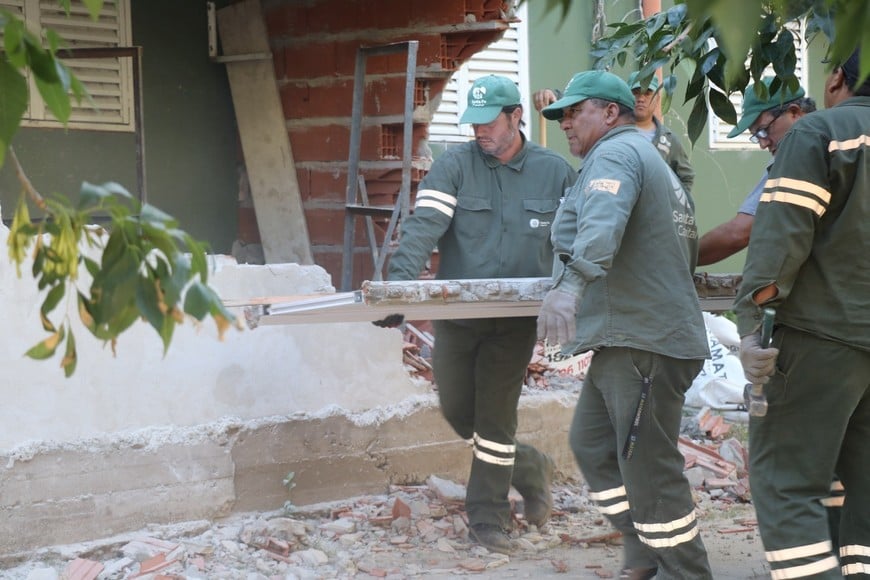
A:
(145, 268)
(139, 266)
(740, 29)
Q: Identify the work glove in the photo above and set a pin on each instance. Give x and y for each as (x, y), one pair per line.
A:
(556, 320)
(390, 321)
(758, 363)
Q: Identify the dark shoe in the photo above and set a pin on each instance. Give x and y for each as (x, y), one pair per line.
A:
(537, 507)
(492, 537)
(638, 573)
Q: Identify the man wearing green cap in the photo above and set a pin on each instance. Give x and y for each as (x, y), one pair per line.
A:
(645, 104)
(809, 259)
(625, 243)
(487, 205)
(768, 116)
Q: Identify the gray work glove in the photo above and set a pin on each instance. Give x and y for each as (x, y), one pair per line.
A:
(758, 363)
(556, 321)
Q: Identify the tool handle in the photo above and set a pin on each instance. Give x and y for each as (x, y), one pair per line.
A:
(767, 326)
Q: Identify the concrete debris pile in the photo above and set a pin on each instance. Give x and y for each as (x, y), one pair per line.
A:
(417, 530)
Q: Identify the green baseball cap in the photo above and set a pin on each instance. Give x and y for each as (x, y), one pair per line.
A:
(486, 98)
(753, 106)
(591, 84)
(634, 83)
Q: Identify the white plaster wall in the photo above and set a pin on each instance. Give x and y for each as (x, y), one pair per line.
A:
(265, 372)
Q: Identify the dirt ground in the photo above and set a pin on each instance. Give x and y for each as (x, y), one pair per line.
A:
(413, 531)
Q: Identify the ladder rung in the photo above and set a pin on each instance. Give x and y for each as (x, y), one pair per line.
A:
(372, 210)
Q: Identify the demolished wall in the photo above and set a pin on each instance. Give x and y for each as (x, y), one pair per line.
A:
(213, 428)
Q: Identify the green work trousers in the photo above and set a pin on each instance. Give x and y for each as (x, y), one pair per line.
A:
(645, 495)
(479, 367)
(817, 424)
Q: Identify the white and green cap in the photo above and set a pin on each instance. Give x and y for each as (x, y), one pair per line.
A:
(486, 98)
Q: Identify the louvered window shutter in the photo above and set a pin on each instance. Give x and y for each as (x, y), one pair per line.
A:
(109, 81)
(506, 57)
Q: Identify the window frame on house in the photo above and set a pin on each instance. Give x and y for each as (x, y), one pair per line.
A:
(507, 57)
(108, 80)
(717, 133)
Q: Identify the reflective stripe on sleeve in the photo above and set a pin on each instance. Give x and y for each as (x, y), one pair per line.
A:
(437, 200)
(794, 199)
(849, 143)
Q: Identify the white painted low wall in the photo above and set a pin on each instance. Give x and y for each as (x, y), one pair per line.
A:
(265, 372)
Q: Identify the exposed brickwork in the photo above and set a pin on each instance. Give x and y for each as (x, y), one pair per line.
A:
(315, 46)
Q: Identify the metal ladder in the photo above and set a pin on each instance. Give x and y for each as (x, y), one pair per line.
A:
(357, 203)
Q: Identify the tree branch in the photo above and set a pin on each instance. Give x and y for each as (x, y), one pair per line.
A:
(25, 182)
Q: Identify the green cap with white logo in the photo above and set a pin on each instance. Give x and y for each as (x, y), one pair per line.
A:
(487, 97)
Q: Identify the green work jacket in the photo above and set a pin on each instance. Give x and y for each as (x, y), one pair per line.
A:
(487, 219)
(626, 244)
(672, 151)
(811, 235)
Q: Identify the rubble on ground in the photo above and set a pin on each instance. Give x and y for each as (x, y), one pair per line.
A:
(413, 530)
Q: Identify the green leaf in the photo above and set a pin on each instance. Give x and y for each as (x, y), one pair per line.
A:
(736, 22)
(70, 357)
(13, 104)
(56, 99)
(52, 299)
(722, 107)
(13, 41)
(198, 300)
(94, 8)
(41, 61)
(676, 14)
(46, 348)
(697, 118)
(148, 302)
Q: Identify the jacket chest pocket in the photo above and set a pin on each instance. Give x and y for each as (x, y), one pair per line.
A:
(539, 214)
(473, 217)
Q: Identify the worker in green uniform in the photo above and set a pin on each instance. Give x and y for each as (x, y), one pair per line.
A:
(645, 105)
(809, 259)
(625, 242)
(487, 205)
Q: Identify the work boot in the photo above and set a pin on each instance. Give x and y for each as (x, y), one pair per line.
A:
(492, 537)
(538, 506)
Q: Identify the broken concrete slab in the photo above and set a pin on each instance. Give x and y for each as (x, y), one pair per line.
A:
(62, 495)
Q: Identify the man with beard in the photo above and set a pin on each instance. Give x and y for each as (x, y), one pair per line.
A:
(487, 205)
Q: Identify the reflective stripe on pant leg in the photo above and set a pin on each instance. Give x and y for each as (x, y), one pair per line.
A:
(594, 444)
(793, 452)
(662, 506)
(852, 468)
(502, 357)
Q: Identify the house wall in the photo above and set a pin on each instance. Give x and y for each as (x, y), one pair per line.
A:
(191, 146)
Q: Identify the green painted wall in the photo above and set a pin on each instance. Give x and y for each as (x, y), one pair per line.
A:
(191, 147)
(723, 178)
